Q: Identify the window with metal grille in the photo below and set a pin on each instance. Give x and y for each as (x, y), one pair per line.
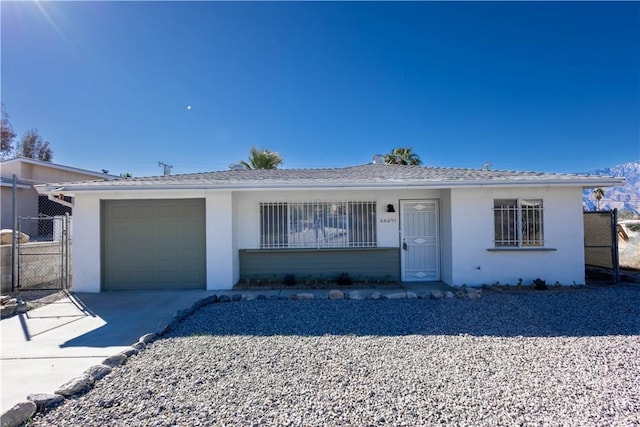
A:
(318, 224)
(518, 222)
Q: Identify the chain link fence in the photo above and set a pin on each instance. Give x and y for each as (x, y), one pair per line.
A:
(43, 248)
(36, 241)
(601, 241)
(43, 261)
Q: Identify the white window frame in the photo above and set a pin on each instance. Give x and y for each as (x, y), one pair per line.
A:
(518, 223)
(318, 224)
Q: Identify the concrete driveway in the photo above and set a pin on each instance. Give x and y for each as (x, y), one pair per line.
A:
(44, 348)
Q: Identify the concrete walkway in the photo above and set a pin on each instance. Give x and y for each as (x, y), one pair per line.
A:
(46, 347)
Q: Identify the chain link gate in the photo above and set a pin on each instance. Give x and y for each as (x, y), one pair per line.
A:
(43, 261)
(601, 241)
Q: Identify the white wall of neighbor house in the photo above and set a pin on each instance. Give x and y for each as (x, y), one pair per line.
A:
(221, 267)
(472, 231)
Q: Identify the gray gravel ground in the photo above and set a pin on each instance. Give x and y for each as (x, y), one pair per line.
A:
(557, 357)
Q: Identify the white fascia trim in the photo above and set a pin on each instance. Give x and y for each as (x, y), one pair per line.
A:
(45, 189)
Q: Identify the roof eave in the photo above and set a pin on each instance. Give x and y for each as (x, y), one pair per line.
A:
(583, 183)
(57, 166)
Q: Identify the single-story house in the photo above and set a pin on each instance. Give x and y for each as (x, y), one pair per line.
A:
(30, 172)
(405, 223)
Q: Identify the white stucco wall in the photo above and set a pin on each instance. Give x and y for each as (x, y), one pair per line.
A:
(473, 233)
(86, 244)
(466, 232)
(220, 244)
(446, 260)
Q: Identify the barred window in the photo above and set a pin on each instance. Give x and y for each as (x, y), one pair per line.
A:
(518, 222)
(317, 224)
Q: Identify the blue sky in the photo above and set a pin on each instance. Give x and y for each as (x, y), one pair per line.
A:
(546, 86)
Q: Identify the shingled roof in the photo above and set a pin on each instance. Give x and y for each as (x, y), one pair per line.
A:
(363, 176)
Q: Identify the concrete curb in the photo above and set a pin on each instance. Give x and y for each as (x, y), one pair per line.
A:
(22, 412)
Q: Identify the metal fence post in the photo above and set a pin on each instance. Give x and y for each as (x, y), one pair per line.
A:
(614, 245)
(14, 238)
(67, 238)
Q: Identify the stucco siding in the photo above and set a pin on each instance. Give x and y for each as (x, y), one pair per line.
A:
(473, 263)
(86, 245)
(446, 255)
(466, 235)
(220, 245)
(42, 172)
(49, 173)
(11, 168)
(27, 199)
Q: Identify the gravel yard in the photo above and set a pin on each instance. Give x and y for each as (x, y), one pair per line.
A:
(556, 357)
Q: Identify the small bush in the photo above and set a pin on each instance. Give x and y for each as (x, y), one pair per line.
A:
(344, 279)
(540, 284)
(289, 280)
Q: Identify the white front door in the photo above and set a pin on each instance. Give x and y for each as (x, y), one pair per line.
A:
(419, 240)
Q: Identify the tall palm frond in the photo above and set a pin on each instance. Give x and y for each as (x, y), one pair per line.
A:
(262, 159)
(402, 156)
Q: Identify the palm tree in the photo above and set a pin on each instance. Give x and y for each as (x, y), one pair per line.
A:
(598, 193)
(402, 156)
(262, 159)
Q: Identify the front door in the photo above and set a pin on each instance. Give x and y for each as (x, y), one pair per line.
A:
(420, 252)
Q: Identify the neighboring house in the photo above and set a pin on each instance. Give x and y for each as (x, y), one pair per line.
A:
(375, 221)
(28, 173)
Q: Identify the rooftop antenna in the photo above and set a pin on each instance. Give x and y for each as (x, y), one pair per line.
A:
(166, 169)
(486, 166)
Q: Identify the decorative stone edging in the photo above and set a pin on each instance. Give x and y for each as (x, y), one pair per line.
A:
(38, 402)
